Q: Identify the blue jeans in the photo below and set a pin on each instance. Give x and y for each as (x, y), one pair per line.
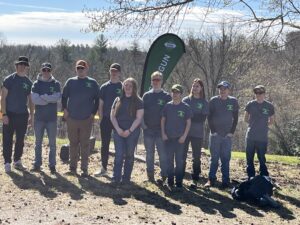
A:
(124, 151)
(152, 139)
(174, 149)
(220, 148)
(261, 149)
(39, 128)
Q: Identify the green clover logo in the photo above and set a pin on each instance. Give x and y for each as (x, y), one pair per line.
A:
(52, 89)
(88, 84)
(265, 111)
(25, 86)
(199, 105)
(118, 91)
(230, 107)
(161, 102)
(180, 114)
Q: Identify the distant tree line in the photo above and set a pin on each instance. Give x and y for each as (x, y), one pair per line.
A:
(243, 61)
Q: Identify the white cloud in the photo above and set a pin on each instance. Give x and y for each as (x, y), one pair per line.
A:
(30, 6)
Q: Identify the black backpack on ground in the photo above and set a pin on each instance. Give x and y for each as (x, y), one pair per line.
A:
(257, 190)
(64, 153)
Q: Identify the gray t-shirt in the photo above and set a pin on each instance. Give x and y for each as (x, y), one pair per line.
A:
(153, 106)
(82, 96)
(176, 117)
(46, 112)
(18, 90)
(221, 114)
(108, 93)
(199, 108)
(258, 121)
(123, 116)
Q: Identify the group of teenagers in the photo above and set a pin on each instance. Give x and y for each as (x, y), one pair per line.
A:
(170, 123)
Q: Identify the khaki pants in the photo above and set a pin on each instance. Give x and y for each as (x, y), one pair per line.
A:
(79, 132)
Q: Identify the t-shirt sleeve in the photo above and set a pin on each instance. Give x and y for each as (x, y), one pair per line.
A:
(205, 110)
(140, 105)
(164, 111)
(189, 112)
(57, 87)
(101, 92)
(247, 107)
(114, 103)
(168, 98)
(236, 104)
(29, 82)
(7, 83)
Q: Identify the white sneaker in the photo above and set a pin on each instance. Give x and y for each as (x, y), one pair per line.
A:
(19, 166)
(7, 167)
(101, 173)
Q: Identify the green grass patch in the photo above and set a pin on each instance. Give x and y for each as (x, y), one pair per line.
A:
(290, 160)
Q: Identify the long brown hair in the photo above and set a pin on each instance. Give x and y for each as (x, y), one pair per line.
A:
(202, 93)
(135, 98)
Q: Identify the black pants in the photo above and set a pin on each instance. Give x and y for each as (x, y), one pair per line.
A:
(106, 128)
(17, 123)
(196, 149)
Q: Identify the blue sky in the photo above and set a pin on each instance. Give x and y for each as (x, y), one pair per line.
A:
(45, 22)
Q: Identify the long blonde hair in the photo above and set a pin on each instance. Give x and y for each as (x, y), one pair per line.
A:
(134, 100)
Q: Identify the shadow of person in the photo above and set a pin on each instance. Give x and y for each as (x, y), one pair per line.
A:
(209, 201)
(30, 181)
(61, 184)
(121, 192)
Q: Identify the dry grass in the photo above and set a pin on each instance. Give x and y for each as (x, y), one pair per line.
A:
(42, 198)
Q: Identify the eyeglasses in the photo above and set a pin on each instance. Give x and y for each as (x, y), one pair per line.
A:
(46, 70)
(259, 93)
(80, 68)
(156, 80)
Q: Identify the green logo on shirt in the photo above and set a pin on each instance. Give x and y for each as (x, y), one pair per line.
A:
(199, 105)
(230, 107)
(25, 86)
(180, 114)
(265, 111)
(160, 102)
(88, 84)
(118, 91)
(52, 89)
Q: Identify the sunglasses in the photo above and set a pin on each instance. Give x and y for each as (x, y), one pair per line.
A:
(22, 64)
(46, 70)
(156, 80)
(80, 68)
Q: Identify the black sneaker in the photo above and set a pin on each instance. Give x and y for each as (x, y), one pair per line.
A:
(36, 169)
(225, 185)
(162, 181)
(151, 177)
(84, 173)
(194, 184)
(52, 169)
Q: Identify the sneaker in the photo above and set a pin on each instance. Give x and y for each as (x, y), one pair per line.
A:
(209, 184)
(225, 185)
(7, 167)
(19, 166)
(101, 173)
(52, 169)
(162, 181)
(194, 184)
(84, 173)
(36, 169)
(151, 177)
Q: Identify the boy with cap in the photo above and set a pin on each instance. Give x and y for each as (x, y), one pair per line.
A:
(175, 126)
(14, 107)
(222, 120)
(80, 101)
(259, 114)
(109, 91)
(45, 94)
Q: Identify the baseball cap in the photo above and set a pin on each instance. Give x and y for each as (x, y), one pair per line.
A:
(224, 84)
(177, 87)
(82, 63)
(115, 66)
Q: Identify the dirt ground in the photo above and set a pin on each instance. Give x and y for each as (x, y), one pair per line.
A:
(42, 198)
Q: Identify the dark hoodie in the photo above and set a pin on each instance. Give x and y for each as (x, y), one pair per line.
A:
(45, 94)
